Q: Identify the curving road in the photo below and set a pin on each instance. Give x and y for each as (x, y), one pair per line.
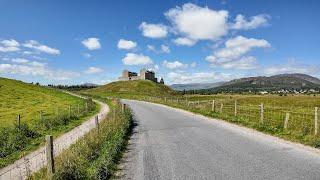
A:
(174, 144)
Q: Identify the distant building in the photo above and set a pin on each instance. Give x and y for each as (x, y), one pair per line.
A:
(161, 81)
(144, 75)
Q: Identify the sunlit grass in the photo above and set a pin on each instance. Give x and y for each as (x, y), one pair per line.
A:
(42, 111)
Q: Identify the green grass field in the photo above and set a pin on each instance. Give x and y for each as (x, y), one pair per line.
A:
(42, 110)
(28, 100)
(301, 109)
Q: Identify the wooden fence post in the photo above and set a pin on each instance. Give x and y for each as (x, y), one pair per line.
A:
(19, 120)
(221, 107)
(86, 107)
(49, 154)
(213, 108)
(286, 121)
(165, 99)
(123, 107)
(316, 121)
(78, 109)
(235, 108)
(261, 113)
(188, 104)
(69, 111)
(97, 122)
(40, 115)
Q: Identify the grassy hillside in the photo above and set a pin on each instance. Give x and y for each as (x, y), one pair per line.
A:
(42, 110)
(28, 100)
(131, 89)
(279, 82)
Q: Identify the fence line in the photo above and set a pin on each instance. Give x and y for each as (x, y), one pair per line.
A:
(304, 120)
(34, 161)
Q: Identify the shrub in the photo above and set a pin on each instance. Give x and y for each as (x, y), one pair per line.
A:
(15, 138)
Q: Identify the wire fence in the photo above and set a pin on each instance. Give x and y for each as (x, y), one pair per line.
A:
(302, 120)
(36, 160)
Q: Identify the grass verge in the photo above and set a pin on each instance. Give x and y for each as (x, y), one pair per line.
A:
(96, 154)
(303, 135)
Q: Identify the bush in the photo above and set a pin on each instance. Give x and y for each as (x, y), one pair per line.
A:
(16, 138)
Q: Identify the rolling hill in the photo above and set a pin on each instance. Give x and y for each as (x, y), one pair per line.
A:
(131, 89)
(42, 111)
(195, 86)
(28, 100)
(272, 83)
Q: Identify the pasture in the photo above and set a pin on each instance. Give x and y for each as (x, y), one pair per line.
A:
(41, 110)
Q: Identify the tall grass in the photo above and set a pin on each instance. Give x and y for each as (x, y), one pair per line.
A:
(95, 155)
(18, 139)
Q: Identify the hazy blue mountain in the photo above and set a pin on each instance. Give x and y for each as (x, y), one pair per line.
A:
(195, 86)
(272, 83)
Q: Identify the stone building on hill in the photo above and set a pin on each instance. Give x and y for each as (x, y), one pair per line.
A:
(144, 75)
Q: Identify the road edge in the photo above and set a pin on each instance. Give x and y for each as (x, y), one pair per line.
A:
(244, 130)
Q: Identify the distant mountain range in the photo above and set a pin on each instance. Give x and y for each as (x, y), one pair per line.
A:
(195, 86)
(89, 85)
(261, 83)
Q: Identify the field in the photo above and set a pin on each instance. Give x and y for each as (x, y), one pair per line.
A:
(29, 100)
(42, 111)
(292, 117)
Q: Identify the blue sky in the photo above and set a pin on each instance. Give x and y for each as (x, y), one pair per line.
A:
(72, 42)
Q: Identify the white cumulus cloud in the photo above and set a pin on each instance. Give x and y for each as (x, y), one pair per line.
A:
(292, 66)
(198, 77)
(165, 49)
(174, 64)
(255, 21)
(126, 44)
(198, 23)
(92, 43)
(193, 64)
(183, 41)
(162, 49)
(32, 44)
(93, 70)
(19, 60)
(136, 59)
(10, 42)
(35, 68)
(153, 30)
(9, 45)
(233, 54)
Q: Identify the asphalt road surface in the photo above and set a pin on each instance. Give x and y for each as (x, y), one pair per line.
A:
(172, 144)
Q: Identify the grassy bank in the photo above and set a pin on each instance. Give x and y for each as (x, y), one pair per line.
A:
(96, 154)
(42, 111)
(29, 100)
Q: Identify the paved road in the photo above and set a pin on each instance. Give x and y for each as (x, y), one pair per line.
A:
(37, 159)
(172, 144)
